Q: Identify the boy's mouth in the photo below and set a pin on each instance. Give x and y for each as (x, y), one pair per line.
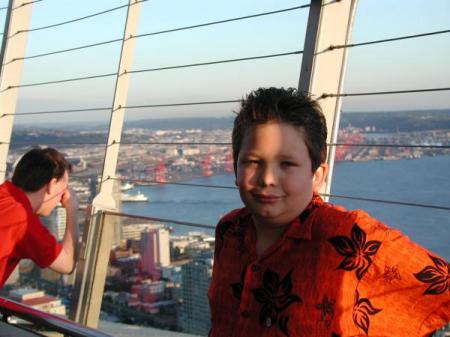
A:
(266, 198)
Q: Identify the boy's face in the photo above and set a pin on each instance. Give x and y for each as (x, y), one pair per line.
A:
(53, 193)
(274, 174)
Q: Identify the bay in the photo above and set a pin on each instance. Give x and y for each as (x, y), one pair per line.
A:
(421, 181)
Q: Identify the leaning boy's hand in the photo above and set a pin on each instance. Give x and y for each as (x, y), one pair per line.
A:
(69, 199)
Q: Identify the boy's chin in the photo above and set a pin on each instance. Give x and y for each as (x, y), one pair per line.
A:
(273, 221)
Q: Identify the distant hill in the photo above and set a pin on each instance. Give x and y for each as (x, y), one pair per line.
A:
(387, 121)
(26, 136)
(153, 124)
(183, 123)
(404, 121)
(415, 120)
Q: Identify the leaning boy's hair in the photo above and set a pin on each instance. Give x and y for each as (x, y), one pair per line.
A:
(289, 106)
(37, 167)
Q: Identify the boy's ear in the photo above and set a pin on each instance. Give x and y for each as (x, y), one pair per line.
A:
(319, 177)
(51, 185)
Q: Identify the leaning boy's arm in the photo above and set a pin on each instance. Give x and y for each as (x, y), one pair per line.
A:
(65, 262)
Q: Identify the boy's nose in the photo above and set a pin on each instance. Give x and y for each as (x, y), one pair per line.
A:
(268, 176)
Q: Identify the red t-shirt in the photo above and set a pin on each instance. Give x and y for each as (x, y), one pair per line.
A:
(332, 273)
(22, 234)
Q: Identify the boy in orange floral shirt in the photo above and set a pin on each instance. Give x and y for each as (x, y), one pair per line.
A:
(290, 264)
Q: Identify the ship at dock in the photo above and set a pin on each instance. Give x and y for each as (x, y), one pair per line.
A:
(126, 187)
(139, 197)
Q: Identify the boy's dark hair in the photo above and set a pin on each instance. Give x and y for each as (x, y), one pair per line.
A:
(289, 106)
(37, 167)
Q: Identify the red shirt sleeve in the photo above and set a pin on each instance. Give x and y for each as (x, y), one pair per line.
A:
(38, 244)
(410, 284)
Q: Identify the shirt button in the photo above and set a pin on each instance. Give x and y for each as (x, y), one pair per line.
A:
(255, 268)
(245, 314)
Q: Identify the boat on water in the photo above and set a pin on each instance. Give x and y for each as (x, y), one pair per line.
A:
(126, 187)
(139, 197)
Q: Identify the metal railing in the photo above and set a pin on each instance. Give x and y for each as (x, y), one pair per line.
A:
(39, 320)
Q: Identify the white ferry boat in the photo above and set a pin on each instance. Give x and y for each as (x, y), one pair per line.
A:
(139, 197)
(126, 187)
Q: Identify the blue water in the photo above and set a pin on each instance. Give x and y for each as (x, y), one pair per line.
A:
(425, 181)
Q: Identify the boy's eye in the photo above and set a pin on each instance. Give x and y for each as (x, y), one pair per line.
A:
(288, 163)
(251, 161)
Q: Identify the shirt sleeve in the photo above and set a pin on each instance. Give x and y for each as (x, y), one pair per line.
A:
(38, 244)
(406, 290)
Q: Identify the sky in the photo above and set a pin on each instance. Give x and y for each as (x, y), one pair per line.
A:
(410, 64)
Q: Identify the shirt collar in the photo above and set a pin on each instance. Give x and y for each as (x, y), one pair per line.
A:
(17, 194)
(301, 227)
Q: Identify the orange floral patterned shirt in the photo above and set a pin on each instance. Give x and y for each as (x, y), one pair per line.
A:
(332, 273)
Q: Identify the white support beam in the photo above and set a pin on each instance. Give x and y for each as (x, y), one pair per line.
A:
(14, 43)
(323, 70)
(97, 242)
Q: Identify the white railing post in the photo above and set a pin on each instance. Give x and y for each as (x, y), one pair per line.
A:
(323, 69)
(14, 42)
(97, 241)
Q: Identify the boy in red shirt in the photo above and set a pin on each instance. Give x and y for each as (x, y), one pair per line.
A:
(289, 264)
(39, 184)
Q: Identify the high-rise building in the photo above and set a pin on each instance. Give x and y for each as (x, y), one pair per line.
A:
(56, 222)
(196, 277)
(155, 250)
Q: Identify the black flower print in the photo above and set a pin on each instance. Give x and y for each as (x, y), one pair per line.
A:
(222, 229)
(234, 229)
(238, 287)
(356, 250)
(438, 276)
(326, 310)
(361, 312)
(391, 273)
(275, 297)
(282, 323)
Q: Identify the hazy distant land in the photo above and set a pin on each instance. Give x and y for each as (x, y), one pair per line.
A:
(383, 121)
